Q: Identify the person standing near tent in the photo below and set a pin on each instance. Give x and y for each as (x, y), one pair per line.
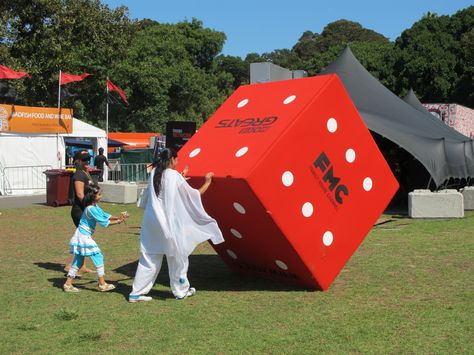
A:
(80, 182)
(99, 162)
(174, 223)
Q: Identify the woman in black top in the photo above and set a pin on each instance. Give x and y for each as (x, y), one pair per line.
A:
(80, 181)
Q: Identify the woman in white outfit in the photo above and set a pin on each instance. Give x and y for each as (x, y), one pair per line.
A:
(174, 223)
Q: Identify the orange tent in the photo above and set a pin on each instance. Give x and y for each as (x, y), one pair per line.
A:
(133, 140)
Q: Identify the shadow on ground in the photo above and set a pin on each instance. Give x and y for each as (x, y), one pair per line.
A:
(396, 211)
(208, 272)
(58, 282)
(51, 266)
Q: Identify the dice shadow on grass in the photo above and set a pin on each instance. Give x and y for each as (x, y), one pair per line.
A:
(209, 273)
(206, 273)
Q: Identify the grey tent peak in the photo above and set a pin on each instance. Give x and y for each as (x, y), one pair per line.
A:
(413, 101)
(444, 152)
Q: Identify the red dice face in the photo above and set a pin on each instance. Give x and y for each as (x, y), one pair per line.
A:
(298, 182)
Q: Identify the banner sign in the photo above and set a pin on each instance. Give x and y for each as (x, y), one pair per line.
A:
(178, 133)
(29, 119)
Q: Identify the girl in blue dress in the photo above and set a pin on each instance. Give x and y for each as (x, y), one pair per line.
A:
(82, 244)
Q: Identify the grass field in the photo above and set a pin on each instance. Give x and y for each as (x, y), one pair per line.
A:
(409, 289)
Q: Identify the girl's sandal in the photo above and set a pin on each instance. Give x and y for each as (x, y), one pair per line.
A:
(106, 287)
(70, 288)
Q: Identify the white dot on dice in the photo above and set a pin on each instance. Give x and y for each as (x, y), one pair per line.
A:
(232, 254)
(239, 208)
(236, 233)
(287, 178)
(242, 103)
(332, 125)
(281, 264)
(194, 152)
(307, 209)
(242, 151)
(350, 155)
(367, 184)
(289, 99)
(327, 238)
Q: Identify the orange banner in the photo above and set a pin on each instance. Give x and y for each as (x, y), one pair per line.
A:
(29, 119)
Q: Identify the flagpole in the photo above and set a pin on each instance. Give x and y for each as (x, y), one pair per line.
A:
(58, 155)
(107, 111)
(59, 90)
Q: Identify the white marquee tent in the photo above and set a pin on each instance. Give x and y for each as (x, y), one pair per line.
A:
(24, 156)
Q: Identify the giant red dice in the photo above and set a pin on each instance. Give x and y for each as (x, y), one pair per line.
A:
(298, 183)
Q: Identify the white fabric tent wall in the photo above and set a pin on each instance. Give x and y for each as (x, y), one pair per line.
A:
(29, 149)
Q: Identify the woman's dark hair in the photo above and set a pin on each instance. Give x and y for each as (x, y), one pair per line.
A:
(90, 193)
(79, 159)
(160, 164)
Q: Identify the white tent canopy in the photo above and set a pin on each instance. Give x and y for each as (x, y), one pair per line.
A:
(24, 156)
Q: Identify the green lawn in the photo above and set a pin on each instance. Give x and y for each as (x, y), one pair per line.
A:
(409, 289)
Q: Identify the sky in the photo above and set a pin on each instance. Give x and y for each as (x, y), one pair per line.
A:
(262, 26)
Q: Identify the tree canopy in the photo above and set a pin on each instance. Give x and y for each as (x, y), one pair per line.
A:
(171, 73)
(177, 71)
(434, 58)
(335, 33)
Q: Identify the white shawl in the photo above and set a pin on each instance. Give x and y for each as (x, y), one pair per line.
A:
(175, 222)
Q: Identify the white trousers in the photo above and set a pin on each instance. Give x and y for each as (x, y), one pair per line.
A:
(148, 269)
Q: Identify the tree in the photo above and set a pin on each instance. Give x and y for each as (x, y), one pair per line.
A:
(379, 59)
(285, 58)
(238, 68)
(433, 60)
(341, 32)
(307, 45)
(46, 36)
(172, 74)
(169, 72)
(468, 45)
(176, 71)
(463, 29)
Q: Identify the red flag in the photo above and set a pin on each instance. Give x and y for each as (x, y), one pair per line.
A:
(111, 87)
(7, 73)
(67, 78)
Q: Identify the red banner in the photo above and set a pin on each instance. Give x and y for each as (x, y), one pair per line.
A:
(111, 87)
(8, 73)
(67, 78)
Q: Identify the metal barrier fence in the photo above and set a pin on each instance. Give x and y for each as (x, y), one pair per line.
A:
(138, 172)
(24, 178)
(29, 179)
